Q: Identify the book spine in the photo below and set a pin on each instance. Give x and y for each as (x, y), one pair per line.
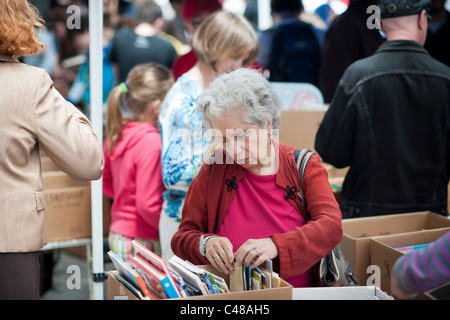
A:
(209, 284)
(169, 288)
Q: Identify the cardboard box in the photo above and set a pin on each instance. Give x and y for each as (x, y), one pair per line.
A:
(340, 293)
(47, 164)
(298, 128)
(59, 179)
(68, 213)
(355, 242)
(384, 255)
(116, 290)
(68, 209)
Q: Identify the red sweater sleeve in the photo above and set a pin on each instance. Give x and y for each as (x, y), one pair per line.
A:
(303, 247)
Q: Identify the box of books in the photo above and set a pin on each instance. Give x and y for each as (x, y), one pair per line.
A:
(355, 242)
(384, 251)
(151, 278)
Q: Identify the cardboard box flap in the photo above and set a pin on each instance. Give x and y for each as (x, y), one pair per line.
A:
(411, 238)
(434, 221)
(393, 224)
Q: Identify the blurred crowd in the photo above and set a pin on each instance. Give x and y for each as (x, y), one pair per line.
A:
(337, 40)
(165, 78)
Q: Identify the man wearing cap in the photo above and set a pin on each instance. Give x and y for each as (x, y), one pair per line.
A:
(390, 121)
(194, 12)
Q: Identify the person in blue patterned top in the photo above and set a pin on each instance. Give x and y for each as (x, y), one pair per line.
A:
(223, 42)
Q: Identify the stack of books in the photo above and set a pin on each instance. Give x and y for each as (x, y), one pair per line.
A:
(262, 277)
(408, 249)
(152, 278)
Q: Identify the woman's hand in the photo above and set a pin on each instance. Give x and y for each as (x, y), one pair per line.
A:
(219, 252)
(257, 251)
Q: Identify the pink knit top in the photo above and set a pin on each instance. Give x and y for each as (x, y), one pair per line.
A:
(259, 210)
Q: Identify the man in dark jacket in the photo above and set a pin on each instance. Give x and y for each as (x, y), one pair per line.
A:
(390, 122)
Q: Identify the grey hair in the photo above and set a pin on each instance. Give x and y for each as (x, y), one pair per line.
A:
(245, 88)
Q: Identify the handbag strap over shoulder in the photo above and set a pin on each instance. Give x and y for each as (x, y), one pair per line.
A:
(302, 157)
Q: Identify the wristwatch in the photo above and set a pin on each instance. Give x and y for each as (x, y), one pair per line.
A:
(202, 244)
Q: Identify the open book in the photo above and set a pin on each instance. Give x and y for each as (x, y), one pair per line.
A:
(129, 275)
(155, 272)
(198, 280)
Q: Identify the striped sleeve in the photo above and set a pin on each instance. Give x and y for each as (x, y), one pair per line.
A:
(426, 268)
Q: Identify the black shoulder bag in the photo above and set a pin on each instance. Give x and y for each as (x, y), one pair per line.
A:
(334, 268)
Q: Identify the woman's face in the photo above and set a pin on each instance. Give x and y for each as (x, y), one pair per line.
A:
(230, 64)
(247, 143)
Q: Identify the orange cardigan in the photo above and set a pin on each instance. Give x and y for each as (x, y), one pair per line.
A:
(209, 197)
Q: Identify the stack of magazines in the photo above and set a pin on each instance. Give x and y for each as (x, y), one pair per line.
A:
(152, 278)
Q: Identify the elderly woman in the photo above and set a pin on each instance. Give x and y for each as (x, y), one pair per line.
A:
(34, 117)
(222, 43)
(243, 209)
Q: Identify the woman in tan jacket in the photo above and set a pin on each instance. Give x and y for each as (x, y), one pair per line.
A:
(34, 116)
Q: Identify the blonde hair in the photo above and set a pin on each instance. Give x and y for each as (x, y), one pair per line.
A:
(145, 83)
(18, 23)
(224, 35)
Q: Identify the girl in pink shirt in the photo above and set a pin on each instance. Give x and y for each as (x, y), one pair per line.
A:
(132, 175)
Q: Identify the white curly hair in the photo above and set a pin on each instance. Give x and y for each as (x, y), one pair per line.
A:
(243, 88)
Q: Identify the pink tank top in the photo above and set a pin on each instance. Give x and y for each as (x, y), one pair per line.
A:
(259, 210)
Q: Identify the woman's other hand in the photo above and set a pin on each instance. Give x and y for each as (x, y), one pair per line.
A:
(219, 252)
(256, 251)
